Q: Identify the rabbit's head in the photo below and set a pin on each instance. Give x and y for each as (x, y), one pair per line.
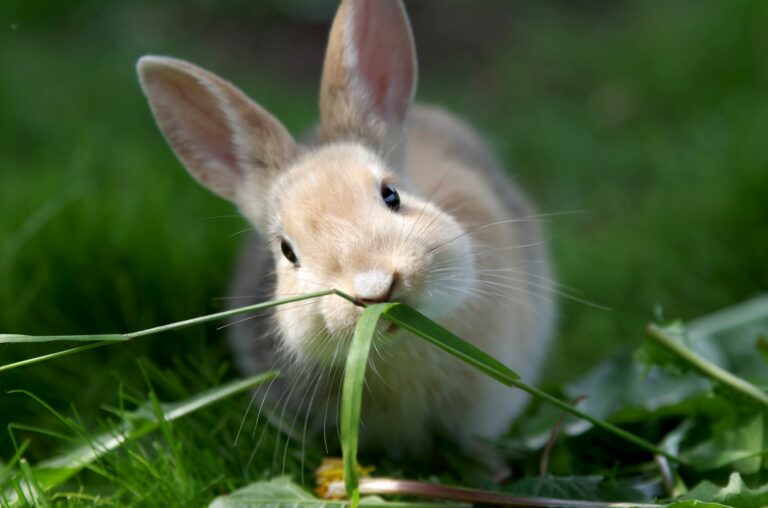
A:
(338, 214)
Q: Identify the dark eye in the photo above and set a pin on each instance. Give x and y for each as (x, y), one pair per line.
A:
(391, 197)
(288, 252)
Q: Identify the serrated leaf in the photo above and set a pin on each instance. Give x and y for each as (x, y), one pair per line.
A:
(693, 503)
(669, 338)
(736, 440)
(652, 354)
(624, 392)
(736, 494)
(588, 488)
(728, 338)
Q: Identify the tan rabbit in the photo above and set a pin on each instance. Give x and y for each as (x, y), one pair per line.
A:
(387, 202)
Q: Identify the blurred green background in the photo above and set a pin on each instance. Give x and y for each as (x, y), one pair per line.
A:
(642, 125)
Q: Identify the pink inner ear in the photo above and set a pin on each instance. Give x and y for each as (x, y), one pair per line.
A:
(385, 55)
(205, 130)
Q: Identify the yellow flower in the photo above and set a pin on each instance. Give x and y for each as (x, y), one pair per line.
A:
(329, 477)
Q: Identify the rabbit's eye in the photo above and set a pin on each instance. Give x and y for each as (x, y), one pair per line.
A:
(391, 197)
(288, 252)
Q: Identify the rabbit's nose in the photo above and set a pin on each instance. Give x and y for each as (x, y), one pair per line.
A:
(375, 286)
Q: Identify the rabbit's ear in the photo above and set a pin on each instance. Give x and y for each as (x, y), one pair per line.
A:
(219, 134)
(369, 75)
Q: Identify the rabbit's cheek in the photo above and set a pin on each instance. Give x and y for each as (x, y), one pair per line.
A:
(340, 316)
(299, 325)
(288, 283)
(450, 281)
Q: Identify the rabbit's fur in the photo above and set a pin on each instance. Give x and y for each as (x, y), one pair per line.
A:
(463, 246)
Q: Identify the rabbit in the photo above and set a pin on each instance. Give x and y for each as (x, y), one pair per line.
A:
(386, 201)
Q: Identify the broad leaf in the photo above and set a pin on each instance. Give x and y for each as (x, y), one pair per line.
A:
(693, 503)
(283, 493)
(736, 494)
(736, 440)
(588, 488)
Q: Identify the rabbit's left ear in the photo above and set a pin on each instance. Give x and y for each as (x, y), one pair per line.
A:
(369, 74)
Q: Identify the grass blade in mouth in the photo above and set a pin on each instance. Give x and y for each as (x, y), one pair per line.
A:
(352, 393)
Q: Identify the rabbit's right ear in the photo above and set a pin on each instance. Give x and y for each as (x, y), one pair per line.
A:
(222, 137)
(369, 75)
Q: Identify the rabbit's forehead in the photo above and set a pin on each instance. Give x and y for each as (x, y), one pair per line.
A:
(333, 189)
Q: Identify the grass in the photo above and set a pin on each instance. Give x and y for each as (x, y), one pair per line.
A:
(647, 118)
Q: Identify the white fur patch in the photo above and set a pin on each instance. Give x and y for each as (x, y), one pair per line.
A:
(373, 284)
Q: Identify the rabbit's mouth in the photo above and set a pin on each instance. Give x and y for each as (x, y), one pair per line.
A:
(387, 328)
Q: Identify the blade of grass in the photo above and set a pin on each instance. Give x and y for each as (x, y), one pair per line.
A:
(53, 472)
(352, 394)
(420, 325)
(704, 366)
(106, 339)
(51, 356)
(16, 339)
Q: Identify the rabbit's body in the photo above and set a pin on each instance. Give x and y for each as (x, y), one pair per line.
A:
(415, 390)
(387, 203)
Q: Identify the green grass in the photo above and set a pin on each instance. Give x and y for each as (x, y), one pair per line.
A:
(647, 118)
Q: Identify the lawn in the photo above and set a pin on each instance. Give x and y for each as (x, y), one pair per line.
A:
(640, 127)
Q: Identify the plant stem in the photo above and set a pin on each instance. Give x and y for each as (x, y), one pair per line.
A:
(392, 486)
(706, 367)
(57, 354)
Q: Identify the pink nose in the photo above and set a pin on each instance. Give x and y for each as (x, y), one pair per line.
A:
(374, 286)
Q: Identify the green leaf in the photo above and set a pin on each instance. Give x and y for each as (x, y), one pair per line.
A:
(283, 493)
(670, 339)
(414, 321)
(736, 440)
(651, 353)
(589, 488)
(728, 338)
(736, 494)
(762, 345)
(55, 471)
(352, 393)
(693, 503)
(624, 391)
